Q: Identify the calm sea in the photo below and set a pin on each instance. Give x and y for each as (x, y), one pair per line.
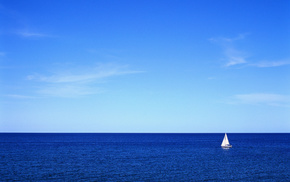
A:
(144, 157)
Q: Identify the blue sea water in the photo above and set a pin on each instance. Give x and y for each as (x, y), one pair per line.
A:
(143, 157)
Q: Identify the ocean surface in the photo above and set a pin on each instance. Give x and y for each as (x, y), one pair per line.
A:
(143, 157)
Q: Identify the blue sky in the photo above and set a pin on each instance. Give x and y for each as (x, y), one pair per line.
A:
(144, 66)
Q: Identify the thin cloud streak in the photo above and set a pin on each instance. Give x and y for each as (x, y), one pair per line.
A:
(16, 96)
(30, 34)
(68, 90)
(234, 56)
(91, 76)
(224, 40)
(15, 16)
(231, 54)
(266, 64)
(262, 99)
(78, 83)
(234, 61)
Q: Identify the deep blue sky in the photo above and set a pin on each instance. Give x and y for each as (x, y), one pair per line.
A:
(144, 66)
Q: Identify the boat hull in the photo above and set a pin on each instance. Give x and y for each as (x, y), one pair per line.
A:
(228, 146)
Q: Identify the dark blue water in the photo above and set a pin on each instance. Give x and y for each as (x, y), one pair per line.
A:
(144, 157)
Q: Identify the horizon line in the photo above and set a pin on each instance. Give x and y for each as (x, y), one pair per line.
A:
(143, 132)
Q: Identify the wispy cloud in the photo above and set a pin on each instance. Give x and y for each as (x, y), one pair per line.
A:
(84, 75)
(211, 78)
(261, 99)
(68, 90)
(2, 53)
(31, 34)
(16, 96)
(224, 40)
(232, 55)
(265, 64)
(72, 82)
(106, 53)
(13, 18)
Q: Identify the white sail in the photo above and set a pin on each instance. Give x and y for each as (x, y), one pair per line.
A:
(225, 141)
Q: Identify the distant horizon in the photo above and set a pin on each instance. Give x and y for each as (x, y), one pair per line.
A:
(146, 133)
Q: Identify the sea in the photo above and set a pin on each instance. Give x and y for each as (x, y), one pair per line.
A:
(144, 157)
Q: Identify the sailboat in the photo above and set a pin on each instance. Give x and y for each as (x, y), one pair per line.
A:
(226, 143)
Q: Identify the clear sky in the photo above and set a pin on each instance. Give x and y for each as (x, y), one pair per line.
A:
(144, 66)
